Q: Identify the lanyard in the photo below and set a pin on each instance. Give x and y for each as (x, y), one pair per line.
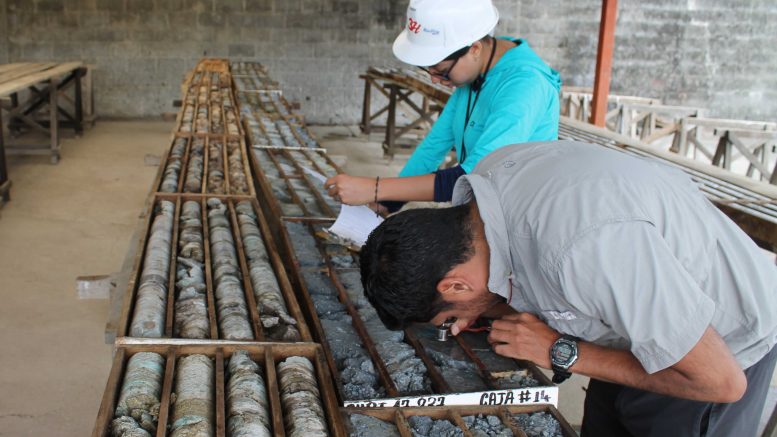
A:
(477, 84)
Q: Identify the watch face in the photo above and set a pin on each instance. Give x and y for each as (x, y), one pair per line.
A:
(562, 353)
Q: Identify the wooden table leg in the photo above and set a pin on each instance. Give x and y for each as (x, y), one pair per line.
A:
(54, 120)
(388, 146)
(5, 184)
(366, 116)
(79, 108)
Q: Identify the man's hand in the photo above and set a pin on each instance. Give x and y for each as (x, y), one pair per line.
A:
(708, 372)
(523, 336)
(351, 190)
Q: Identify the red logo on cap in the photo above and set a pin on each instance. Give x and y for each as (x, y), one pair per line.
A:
(413, 26)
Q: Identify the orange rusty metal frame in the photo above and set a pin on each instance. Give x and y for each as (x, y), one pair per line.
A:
(604, 62)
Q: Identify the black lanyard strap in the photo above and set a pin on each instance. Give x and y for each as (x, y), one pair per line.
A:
(477, 84)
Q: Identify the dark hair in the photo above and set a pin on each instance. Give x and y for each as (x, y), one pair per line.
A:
(406, 257)
(463, 51)
(457, 54)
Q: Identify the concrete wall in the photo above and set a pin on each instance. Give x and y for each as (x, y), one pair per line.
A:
(712, 53)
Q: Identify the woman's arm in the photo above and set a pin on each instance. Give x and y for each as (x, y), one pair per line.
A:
(356, 190)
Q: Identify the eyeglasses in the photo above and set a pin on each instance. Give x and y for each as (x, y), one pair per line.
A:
(455, 56)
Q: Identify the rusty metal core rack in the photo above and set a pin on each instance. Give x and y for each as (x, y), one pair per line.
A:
(287, 190)
(284, 197)
(252, 76)
(298, 208)
(208, 149)
(270, 120)
(266, 355)
(250, 299)
(205, 158)
(318, 264)
(400, 417)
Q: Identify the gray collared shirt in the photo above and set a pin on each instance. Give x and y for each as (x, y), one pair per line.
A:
(620, 251)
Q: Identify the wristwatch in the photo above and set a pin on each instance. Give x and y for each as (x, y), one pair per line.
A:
(563, 354)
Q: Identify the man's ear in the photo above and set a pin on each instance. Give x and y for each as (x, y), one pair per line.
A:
(452, 285)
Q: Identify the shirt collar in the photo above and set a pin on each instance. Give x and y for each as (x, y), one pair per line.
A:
(500, 268)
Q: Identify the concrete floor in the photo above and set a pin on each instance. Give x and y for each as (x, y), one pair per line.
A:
(76, 218)
(64, 221)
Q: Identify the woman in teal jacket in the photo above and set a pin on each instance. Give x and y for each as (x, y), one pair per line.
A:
(505, 94)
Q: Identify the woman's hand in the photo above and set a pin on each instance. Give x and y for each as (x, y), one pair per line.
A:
(351, 190)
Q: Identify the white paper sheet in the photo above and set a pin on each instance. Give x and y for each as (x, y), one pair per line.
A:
(354, 222)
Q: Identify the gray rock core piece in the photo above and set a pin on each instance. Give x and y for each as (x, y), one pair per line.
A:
(487, 426)
(193, 409)
(231, 305)
(173, 168)
(276, 321)
(137, 409)
(368, 426)
(357, 373)
(246, 395)
(517, 379)
(301, 398)
(148, 319)
(238, 182)
(195, 167)
(424, 426)
(304, 245)
(538, 424)
(407, 370)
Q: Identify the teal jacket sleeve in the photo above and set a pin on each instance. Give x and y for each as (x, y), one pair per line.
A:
(518, 107)
(428, 156)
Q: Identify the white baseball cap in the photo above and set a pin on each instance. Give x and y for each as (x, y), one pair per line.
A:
(435, 29)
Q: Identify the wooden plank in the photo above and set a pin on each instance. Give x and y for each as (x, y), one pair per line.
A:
(8, 67)
(661, 133)
(741, 181)
(744, 150)
(747, 133)
(27, 69)
(173, 272)
(676, 111)
(273, 393)
(42, 76)
(208, 261)
(167, 387)
(220, 404)
(108, 404)
(734, 124)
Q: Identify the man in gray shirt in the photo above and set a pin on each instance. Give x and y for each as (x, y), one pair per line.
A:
(598, 263)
